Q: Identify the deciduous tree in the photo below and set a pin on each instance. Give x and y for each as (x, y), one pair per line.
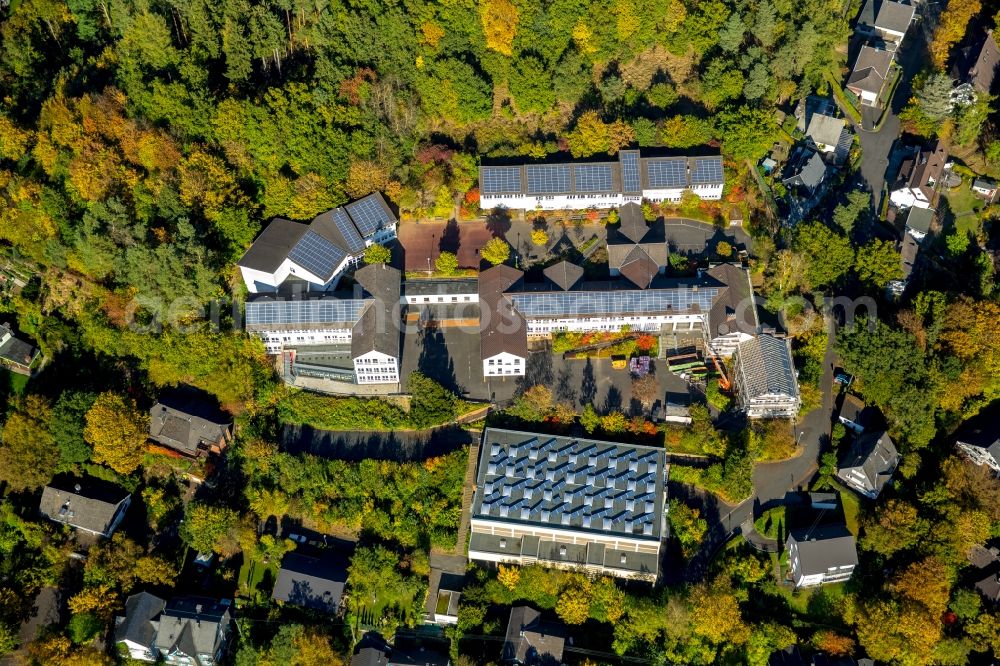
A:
(496, 251)
(117, 431)
(499, 19)
(377, 254)
(28, 455)
(446, 263)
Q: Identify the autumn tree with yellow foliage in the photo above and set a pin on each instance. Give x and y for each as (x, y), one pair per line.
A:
(117, 430)
(954, 21)
(499, 19)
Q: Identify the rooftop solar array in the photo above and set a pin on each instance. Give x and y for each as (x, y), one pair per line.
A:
(355, 243)
(368, 215)
(667, 173)
(501, 179)
(569, 483)
(593, 177)
(319, 311)
(617, 302)
(631, 183)
(548, 178)
(706, 170)
(317, 255)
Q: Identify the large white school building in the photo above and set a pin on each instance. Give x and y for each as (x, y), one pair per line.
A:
(582, 185)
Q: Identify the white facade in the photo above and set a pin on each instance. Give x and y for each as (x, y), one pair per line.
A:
(725, 345)
(438, 299)
(138, 652)
(275, 341)
(906, 197)
(833, 575)
(376, 368)
(261, 282)
(504, 364)
(551, 202)
(979, 455)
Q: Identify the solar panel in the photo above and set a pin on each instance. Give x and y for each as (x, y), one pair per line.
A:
(355, 243)
(647, 301)
(321, 311)
(500, 179)
(317, 255)
(593, 177)
(706, 170)
(368, 214)
(631, 183)
(666, 173)
(548, 179)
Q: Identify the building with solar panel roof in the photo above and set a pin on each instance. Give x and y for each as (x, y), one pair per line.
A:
(765, 378)
(352, 337)
(582, 185)
(317, 253)
(569, 503)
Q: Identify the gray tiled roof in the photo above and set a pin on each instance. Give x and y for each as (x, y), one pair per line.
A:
(530, 640)
(84, 502)
(273, 245)
(919, 219)
(185, 425)
(139, 624)
(870, 70)
(825, 129)
(311, 582)
(764, 364)
(886, 15)
(823, 547)
(564, 274)
(378, 327)
(503, 329)
(735, 300)
(193, 625)
(875, 456)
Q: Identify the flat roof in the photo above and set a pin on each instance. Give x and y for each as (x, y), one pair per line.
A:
(570, 483)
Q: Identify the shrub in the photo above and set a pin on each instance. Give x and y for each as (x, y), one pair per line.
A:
(83, 627)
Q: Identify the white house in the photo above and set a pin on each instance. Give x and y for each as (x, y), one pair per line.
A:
(821, 554)
(765, 378)
(870, 74)
(885, 19)
(319, 252)
(869, 464)
(979, 439)
(577, 185)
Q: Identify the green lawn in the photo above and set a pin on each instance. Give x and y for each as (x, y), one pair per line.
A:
(965, 206)
(14, 380)
(852, 506)
(767, 524)
(252, 574)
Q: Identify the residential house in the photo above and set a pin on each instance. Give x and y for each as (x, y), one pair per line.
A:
(16, 355)
(316, 583)
(87, 504)
(975, 61)
(193, 631)
(188, 426)
(531, 641)
(985, 189)
(186, 631)
(918, 222)
(373, 650)
(317, 253)
(989, 587)
(829, 135)
(885, 20)
(853, 414)
(919, 177)
(805, 172)
(765, 378)
(442, 608)
(585, 504)
(137, 628)
(869, 464)
(979, 438)
(821, 554)
(579, 185)
(870, 75)
(636, 249)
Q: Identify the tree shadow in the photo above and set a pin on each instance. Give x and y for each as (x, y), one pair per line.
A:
(613, 400)
(451, 238)
(564, 389)
(435, 361)
(539, 370)
(498, 222)
(356, 446)
(588, 387)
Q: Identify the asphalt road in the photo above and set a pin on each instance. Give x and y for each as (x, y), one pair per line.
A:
(771, 480)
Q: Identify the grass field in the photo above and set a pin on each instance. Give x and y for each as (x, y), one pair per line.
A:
(852, 506)
(15, 381)
(965, 206)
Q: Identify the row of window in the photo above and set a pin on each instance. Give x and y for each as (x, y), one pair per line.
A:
(516, 361)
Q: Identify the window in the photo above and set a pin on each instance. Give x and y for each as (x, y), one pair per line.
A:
(503, 543)
(562, 551)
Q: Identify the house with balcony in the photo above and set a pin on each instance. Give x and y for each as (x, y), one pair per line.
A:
(821, 554)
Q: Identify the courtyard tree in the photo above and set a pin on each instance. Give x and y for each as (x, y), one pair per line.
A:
(539, 237)
(496, 251)
(377, 254)
(446, 263)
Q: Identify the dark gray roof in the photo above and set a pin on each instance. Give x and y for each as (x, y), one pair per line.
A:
(84, 502)
(564, 274)
(138, 625)
(184, 425)
(908, 252)
(735, 309)
(823, 547)
(378, 327)
(421, 287)
(633, 231)
(826, 129)
(886, 15)
(502, 328)
(808, 170)
(414, 652)
(273, 245)
(193, 625)
(790, 656)
(928, 169)
(919, 219)
(14, 350)
(530, 640)
(989, 587)
(875, 455)
(983, 431)
(852, 409)
(870, 70)
(311, 582)
(764, 367)
(984, 183)
(371, 650)
(632, 223)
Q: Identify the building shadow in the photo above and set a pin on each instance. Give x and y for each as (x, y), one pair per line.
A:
(356, 446)
(434, 360)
